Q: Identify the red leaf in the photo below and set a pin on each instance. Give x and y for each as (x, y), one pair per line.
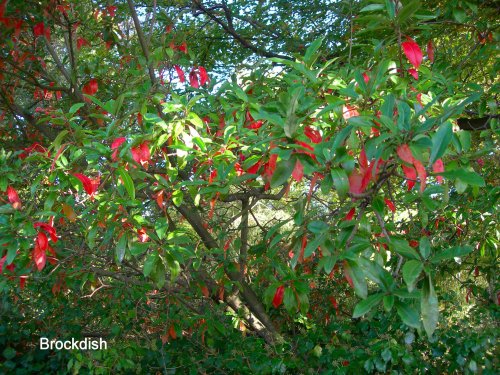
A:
(46, 32)
(367, 176)
(203, 75)
(438, 167)
(334, 302)
(183, 47)
(193, 79)
(430, 51)
(48, 228)
(366, 78)
(302, 248)
(81, 42)
(115, 145)
(22, 281)
(313, 134)
(363, 160)
(411, 175)
(141, 154)
(143, 236)
(269, 169)
(2, 261)
(254, 168)
(204, 291)
(38, 29)
(255, 125)
(86, 182)
(350, 214)
(2, 11)
(212, 205)
(349, 111)
(405, 154)
(42, 241)
(414, 73)
(248, 116)
(39, 256)
(298, 171)
(306, 146)
(422, 173)
(111, 10)
(91, 87)
(412, 52)
(390, 205)
(278, 296)
(419, 98)
(159, 198)
(347, 276)
(171, 332)
(355, 182)
(13, 198)
(213, 176)
(180, 73)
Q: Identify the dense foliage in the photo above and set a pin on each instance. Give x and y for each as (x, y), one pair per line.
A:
(249, 186)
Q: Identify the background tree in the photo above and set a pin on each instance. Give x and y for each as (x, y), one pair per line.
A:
(179, 175)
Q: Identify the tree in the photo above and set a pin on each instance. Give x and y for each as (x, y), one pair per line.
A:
(163, 188)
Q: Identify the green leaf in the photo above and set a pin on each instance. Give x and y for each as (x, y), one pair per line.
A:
(121, 246)
(366, 305)
(161, 227)
(376, 273)
(425, 247)
(429, 307)
(11, 252)
(372, 7)
(411, 271)
(408, 314)
(440, 141)
(283, 172)
(340, 181)
(310, 55)
(150, 262)
(452, 252)
(317, 227)
(391, 8)
(138, 248)
(57, 142)
(75, 107)
(177, 197)
(289, 300)
(303, 302)
(402, 247)
(468, 177)
(408, 10)
(388, 302)
(358, 278)
(291, 121)
(127, 182)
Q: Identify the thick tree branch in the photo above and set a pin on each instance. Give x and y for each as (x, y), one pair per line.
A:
(253, 302)
(244, 237)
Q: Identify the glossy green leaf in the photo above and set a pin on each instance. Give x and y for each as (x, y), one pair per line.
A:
(440, 141)
(411, 271)
(366, 305)
(127, 182)
(429, 307)
(408, 314)
(452, 252)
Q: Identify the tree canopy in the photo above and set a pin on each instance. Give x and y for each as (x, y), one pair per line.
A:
(249, 186)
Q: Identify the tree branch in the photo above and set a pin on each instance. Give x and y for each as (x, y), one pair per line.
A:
(230, 30)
